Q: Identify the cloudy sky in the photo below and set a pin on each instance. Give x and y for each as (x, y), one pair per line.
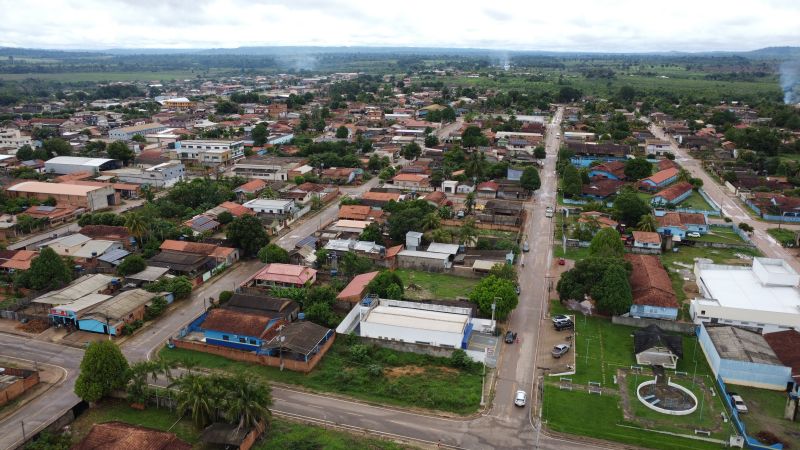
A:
(571, 25)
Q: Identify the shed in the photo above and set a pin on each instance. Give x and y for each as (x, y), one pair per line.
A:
(110, 316)
(655, 348)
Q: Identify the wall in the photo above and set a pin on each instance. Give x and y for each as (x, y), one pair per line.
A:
(432, 337)
(421, 349)
(28, 379)
(428, 265)
(239, 355)
(654, 312)
(677, 327)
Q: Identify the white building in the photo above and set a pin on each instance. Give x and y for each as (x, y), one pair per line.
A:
(12, 138)
(267, 206)
(657, 147)
(127, 133)
(418, 323)
(163, 175)
(63, 165)
(209, 152)
(763, 297)
(267, 167)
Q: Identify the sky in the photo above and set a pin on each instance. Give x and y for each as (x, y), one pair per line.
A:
(550, 25)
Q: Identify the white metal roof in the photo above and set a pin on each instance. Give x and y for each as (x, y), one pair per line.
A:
(421, 254)
(86, 285)
(83, 303)
(268, 203)
(739, 287)
(78, 161)
(418, 318)
(438, 247)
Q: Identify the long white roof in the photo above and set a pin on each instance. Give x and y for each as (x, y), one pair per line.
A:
(418, 318)
(739, 287)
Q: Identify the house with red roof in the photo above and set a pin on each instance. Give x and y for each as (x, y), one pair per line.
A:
(653, 295)
(415, 181)
(672, 195)
(601, 188)
(355, 291)
(487, 189)
(679, 224)
(613, 170)
(282, 275)
(647, 240)
(660, 179)
(251, 188)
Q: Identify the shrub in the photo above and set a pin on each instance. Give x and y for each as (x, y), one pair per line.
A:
(224, 296)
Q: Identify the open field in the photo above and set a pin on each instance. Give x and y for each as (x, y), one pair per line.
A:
(435, 286)
(373, 374)
(766, 413)
(74, 77)
(722, 235)
(783, 236)
(695, 201)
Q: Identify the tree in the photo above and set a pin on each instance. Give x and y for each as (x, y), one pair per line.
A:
(468, 232)
(56, 146)
(103, 370)
(745, 227)
(25, 153)
(579, 281)
(342, 132)
(539, 152)
(401, 222)
(469, 202)
(607, 244)
(530, 179)
(372, 233)
(638, 168)
(132, 264)
(613, 293)
(120, 150)
(138, 138)
(629, 207)
(246, 402)
(504, 271)
(473, 137)
(696, 183)
(568, 94)
(626, 94)
(351, 264)
(431, 221)
(227, 107)
(259, 135)
(431, 140)
(411, 151)
(386, 284)
(648, 222)
(225, 217)
(273, 253)
(248, 234)
(572, 184)
(137, 225)
(48, 271)
(197, 395)
(494, 289)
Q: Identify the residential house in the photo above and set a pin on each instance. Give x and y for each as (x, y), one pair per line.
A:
(16, 260)
(235, 209)
(341, 175)
(449, 186)
(437, 199)
(379, 199)
(306, 192)
(487, 189)
(82, 249)
(465, 188)
(653, 295)
(655, 147)
(601, 188)
(424, 260)
(647, 240)
(202, 223)
(601, 219)
(221, 255)
(412, 181)
(91, 198)
(511, 190)
(127, 133)
(163, 175)
(250, 189)
(236, 329)
(654, 347)
(111, 316)
(672, 195)
(282, 275)
(209, 152)
(270, 168)
(613, 170)
(282, 308)
(53, 215)
(659, 179)
(356, 290)
(109, 233)
(679, 224)
(123, 436)
(360, 212)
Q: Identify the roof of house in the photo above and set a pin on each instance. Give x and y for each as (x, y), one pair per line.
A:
(182, 262)
(260, 304)
(647, 237)
(616, 168)
(661, 176)
(603, 220)
(357, 285)
(197, 248)
(678, 219)
(786, 345)
(285, 273)
(236, 322)
(738, 344)
(114, 257)
(121, 305)
(224, 434)
(356, 212)
(650, 283)
(676, 190)
(150, 273)
(381, 196)
(436, 197)
(653, 336)
(488, 186)
(202, 223)
(601, 187)
(236, 209)
(20, 260)
(38, 187)
(666, 164)
(252, 186)
(106, 232)
(123, 436)
(300, 337)
(410, 177)
(83, 286)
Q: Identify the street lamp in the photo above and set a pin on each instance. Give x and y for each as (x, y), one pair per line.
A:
(494, 306)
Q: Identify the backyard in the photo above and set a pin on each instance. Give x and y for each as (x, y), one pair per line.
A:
(282, 434)
(604, 357)
(721, 235)
(368, 373)
(434, 286)
(695, 201)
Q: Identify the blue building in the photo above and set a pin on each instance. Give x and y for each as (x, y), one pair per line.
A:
(679, 224)
(660, 179)
(235, 329)
(653, 295)
(614, 170)
(672, 195)
(743, 357)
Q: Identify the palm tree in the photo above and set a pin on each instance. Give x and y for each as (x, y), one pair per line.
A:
(196, 395)
(647, 223)
(468, 232)
(470, 202)
(430, 221)
(246, 403)
(137, 225)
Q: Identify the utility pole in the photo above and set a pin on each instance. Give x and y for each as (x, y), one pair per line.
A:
(494, 306)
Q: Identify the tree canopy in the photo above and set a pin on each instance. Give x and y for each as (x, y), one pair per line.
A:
(386, 284)
(48, 271)
(132, 264)
(638, 168)
(103, 370)
(629, 207)
(273, 253)
(530, 179)
(247, 233)
(493, 288)
(607, 244)
(572, 184)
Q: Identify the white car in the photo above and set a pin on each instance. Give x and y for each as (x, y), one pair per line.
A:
(548, 212)
(738, 403)
(521, 398)
(693, 234)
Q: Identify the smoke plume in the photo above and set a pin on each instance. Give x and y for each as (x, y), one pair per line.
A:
(790, 81)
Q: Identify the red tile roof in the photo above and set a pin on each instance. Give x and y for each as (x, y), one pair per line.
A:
(676, 219)
(252, 186)
(122, 436)
(786, 345)
(236, 209)
(647, 237)
(661, 176)
(666, 164)
(285, 273)
(488, 186)
(650, 283)
(676, 190)
(411, 177)
(236, 322)
(20, 260)
(354, 212)
(357, 287)
(381, 196)
(197, 248)
(602, 187)
(616, 168)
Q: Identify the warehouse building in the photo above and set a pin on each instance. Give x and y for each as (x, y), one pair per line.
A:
(127, 133)
(160, 176)
(62, 165)
(82, 196)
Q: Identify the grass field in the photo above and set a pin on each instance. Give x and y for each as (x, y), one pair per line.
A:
(74, 77)
(377, 374)
(783, 236)
(722, 235)
(766, 413)
(282, 434)
(687, 255)
(695, 201)
(435, 286)
(601, 348)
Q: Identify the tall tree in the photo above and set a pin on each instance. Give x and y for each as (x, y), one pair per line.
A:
(386, 284)
(572, 184)
(498, 290)
(197, 395)
(248, 234)
(57, 146)
(530, 179)
(411, 151)
(48, 271)
(638, 168)
(103, 370)
(468, 232)
(647, 223)
(246, 403)
(613, 293)
(607, 244)
(259, 134)
(120, 150)
(273, 253)
(372, 233)
(431, 221)
(469, 202)
(629, 207)
(137, 225)
(342, 132)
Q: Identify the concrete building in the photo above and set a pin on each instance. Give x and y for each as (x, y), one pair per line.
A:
(110, 316)
(208, 152)
(763, 297)
(268, 167)
(427, 261)
(90, 197)
(127, 133)
(62, 165)
(160, 176)
(268, 206)
(12, 138)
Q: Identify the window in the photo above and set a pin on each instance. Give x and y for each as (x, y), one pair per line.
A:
(242, 340)
(253, 342)
(225, 337)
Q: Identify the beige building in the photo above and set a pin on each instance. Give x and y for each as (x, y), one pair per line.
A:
(90, 197)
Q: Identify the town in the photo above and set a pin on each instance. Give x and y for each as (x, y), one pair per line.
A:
(417, 258)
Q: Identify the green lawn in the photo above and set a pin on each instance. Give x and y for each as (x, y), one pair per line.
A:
(695, 201)
(378, 375)
(435, 286)
(687, 255)
(784, 236)
(574, 253)
(722, 235)
(283, 434)
(765, 413)
(74, 77)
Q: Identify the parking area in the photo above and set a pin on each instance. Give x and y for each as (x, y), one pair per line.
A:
(480, 342)
(549, 338)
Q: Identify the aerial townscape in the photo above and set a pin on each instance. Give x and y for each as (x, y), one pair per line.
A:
(338, 230)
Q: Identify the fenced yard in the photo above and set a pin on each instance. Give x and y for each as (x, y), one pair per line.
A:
(420, 285)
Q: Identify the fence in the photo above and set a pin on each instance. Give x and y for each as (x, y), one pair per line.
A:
(749, 441)
(772, 217)
(666, 325)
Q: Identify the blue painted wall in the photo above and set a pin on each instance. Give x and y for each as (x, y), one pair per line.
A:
(654, 312)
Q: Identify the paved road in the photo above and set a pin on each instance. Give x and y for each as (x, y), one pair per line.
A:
(444, 132)
(730, 205)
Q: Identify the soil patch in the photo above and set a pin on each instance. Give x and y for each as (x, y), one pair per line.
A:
(34, 326)
(403, 371)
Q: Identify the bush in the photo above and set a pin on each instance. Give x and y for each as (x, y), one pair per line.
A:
(459, 359)
(132, 264)
(745, 227)
(224, 296)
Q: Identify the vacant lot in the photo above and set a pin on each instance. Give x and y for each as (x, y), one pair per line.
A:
(766, 414)
(435, 286)
(368, 373)
(721, 235)
(784, 237)
(695, 201)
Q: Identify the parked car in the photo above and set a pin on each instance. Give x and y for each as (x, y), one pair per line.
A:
(525, 247)
(738, 403)
(560, 350)
(521, 398)
(693, 234)
(548, 212)
(559, 318)
(460, 214)
(563, 325)
(511, 337)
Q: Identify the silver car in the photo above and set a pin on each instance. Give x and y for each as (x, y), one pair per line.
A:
(521, 398)
(560, 350)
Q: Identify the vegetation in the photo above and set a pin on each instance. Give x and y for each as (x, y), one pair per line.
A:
(607, 243)
(273, 253)
(785, 237)
(605, 279)
(132, 264)
(495, 290)
(386, 284)
(530, 179)
(430, 285)
(48, 271)
(103, 370)
(248, 234)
